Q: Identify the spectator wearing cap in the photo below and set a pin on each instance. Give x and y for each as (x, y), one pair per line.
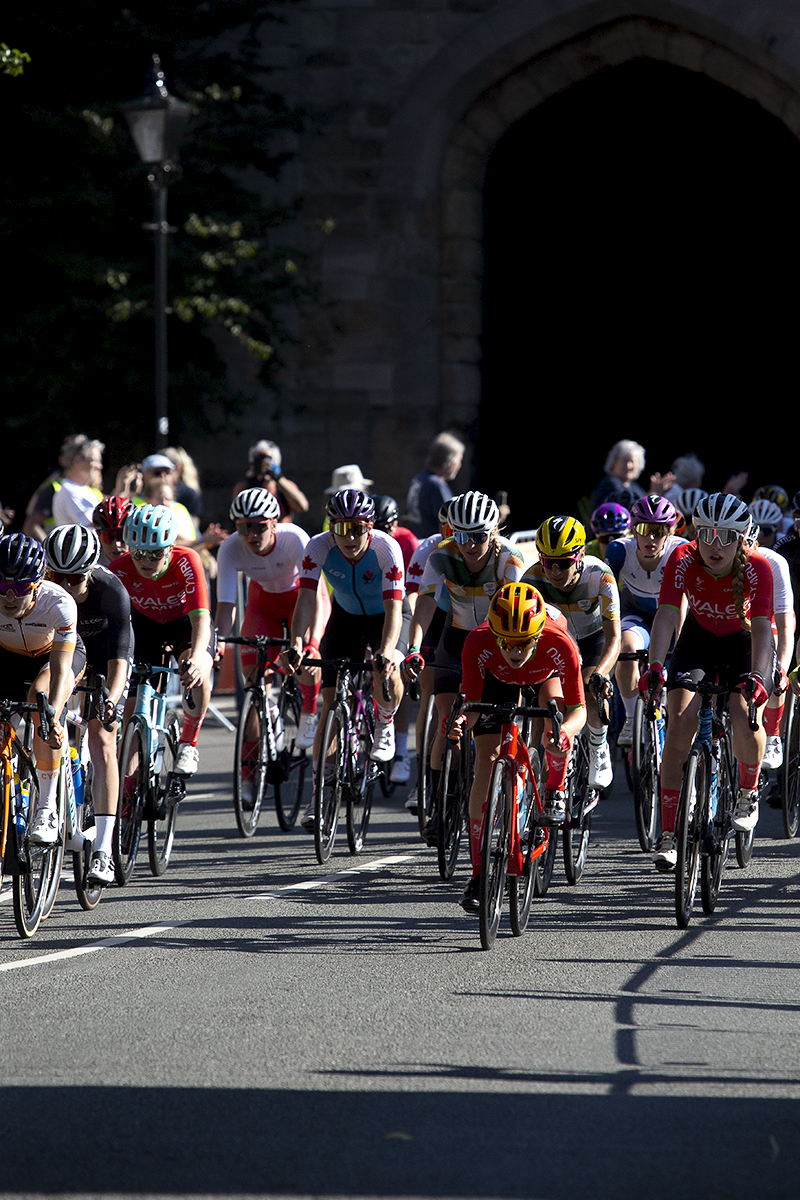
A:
(264, 470)
(133, 478)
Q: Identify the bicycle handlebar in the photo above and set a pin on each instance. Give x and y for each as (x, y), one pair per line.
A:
(508, 710)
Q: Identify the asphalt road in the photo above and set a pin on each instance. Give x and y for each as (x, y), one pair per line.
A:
(254, 1024)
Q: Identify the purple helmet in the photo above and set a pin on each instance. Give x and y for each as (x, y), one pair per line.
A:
(654, 508)
(349, 505)
(611, 518)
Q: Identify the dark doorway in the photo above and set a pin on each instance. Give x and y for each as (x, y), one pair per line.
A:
(642, 264)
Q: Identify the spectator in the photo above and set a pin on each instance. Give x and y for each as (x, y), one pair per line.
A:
(77, 494)
(430, 489)
(186, 482)
(623, 466)
(39, 512)
(264, 471)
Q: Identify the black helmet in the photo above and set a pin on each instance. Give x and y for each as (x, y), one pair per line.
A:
(386, 512)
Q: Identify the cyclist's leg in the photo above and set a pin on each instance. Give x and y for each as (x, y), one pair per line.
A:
(635, 636)
(44, 828)
(601, 774)
(195, 705)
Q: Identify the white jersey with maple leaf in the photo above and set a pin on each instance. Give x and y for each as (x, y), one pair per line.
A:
(359, 588)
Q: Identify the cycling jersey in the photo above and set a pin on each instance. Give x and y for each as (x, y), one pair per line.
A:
(181, 591)
(53, 621)
(361, 588)
(710, 597)
(638, 588)
(276, 571)
(594, 599)
(470, 593)
(104, 619)
(556, 654)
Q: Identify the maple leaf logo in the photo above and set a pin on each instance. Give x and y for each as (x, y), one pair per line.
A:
(416, 569)
(308, 563)
(394, 574)
(368, 576)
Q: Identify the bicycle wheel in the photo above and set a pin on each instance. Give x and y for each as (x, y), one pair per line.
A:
(790, 768)
(577, 826)
(452, 802)
(744, 847)
(644, 777)
(89, 895)
(546, 861)
(426, 800)
(57, 852)
(330, 782)
(521, 887)
(250, 761)
(289, 792)
(692, 805)
(29, 890)
(161, 828)
(712, 863)
(361, 773)
(494, 852)
(133, 768)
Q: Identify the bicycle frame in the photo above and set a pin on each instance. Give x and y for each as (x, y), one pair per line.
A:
(151, 706)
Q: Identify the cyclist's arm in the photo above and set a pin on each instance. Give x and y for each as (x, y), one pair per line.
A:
(762, 647)
(665, 625)
(224, 617)
(424, 609)
(292, 495)
(200, 621)
(116, 677)
(392, 625)
(612, 637)
(303, 618)
(62, 682)
(784, 623)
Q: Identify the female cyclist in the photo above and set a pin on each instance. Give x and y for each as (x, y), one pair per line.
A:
(727, 635)
(608, 522)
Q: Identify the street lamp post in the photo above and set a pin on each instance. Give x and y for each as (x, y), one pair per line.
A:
(157, 122)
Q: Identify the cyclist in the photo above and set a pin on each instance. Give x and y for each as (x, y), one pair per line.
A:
(783, 625)
(38, 641)
(519, 645)
(364, 568)
(269, 552)
(638, 565)
(108, 519)
(104, 624)
(769, 519)
(686, 502)
(608, 522)
(727, 634)
(779, 496)
(585, 591)
(169, 599)
(471, 565)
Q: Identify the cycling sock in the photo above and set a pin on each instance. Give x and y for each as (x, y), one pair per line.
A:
(191, 728)
(385, 716)
(597, 737)
(48, 785)
(105, 833)
(309, 694)
(401, 744)
(669, 808)
(748, 776)
(475, 842)
(629, 704)
(556, 771)
(772, 720)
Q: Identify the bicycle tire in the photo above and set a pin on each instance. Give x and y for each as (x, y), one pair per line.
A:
(712, 864)
(56, 852)
(545, 863)
(29, 890)
(644, 777)
(89, 895)
(744, 847)
(328, 793)
(521, 887)
(133, 781)
(790, 770)
(289, 792)
(161, 830)
(250, 760)
(451, 807)
(494, 852)
(426, 800)
(692, 804)
(360, 780)
(577, 827)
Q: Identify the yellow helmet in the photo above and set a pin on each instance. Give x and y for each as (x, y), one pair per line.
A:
(517, 612)
(558, 536)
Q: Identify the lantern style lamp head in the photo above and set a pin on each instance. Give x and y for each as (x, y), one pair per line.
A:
(157, 121)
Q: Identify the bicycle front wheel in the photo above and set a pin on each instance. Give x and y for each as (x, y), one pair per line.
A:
(133, 767)
(712, 863)
(452, 803)
(578, 825)
(29, 890)
(329, 782)
(426, 800)
(89, 895)
(162, 822)
(289, 792)
(250, 761)
(361, 773)
(692, 805)
(494, 852)
(644, 772)
(521, 887)
(791, 768)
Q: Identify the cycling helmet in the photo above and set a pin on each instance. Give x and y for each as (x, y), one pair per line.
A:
(386, 512)
(654, 508)
(110, 513)
(796, 503)
(611, 518)
(722, 511)
(443, 515)
(255, 503)
(517, 612)
(150, 527)
(473, 512)
(689, 499)
(558, 536)
(774, 493)
(21, 558)
(764, 512)
(350, 505)
(72, 549)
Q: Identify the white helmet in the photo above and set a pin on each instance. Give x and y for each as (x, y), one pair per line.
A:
(689, 499)
(72, 549)
(765, 512)
(255, 504)
(473, 512)
(722, 511)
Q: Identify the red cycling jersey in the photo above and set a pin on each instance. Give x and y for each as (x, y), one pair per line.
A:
(710, 597)
(556, 654)
(179, 592)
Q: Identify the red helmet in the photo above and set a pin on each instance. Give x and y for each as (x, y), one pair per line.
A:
(110, 514)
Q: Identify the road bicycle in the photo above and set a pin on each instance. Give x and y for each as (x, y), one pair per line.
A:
(791, 766)
(266, 753)
(345, 771)
(426, 796)
(581, 801)
(149, 788)
(649, 723)
(704, 829)
(452, 800)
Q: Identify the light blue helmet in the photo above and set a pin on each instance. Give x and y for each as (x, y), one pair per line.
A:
(150, 527)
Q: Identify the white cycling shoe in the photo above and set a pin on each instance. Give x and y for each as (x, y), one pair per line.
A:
(601, 773)
(306, 731)
(745, 815)
(187, 760)
(383, 746)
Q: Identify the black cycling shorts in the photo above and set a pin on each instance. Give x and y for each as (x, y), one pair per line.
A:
(18, 671)
(348, 636)
(701, 654)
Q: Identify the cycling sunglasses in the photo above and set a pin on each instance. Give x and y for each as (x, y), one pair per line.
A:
(110, 535)
(523, 644)
(148, 555)
(725, 537)
(62, 579)
(478, 536)
(252, 526)
(562, 563)
(343, 528)
(652, 528)
(17, 588)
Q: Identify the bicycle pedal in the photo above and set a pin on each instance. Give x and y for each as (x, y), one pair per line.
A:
(592, 801)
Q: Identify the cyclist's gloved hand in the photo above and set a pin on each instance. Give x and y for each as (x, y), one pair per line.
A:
(652, 681)
(780, 683)
(413, 664)
(754, 690)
